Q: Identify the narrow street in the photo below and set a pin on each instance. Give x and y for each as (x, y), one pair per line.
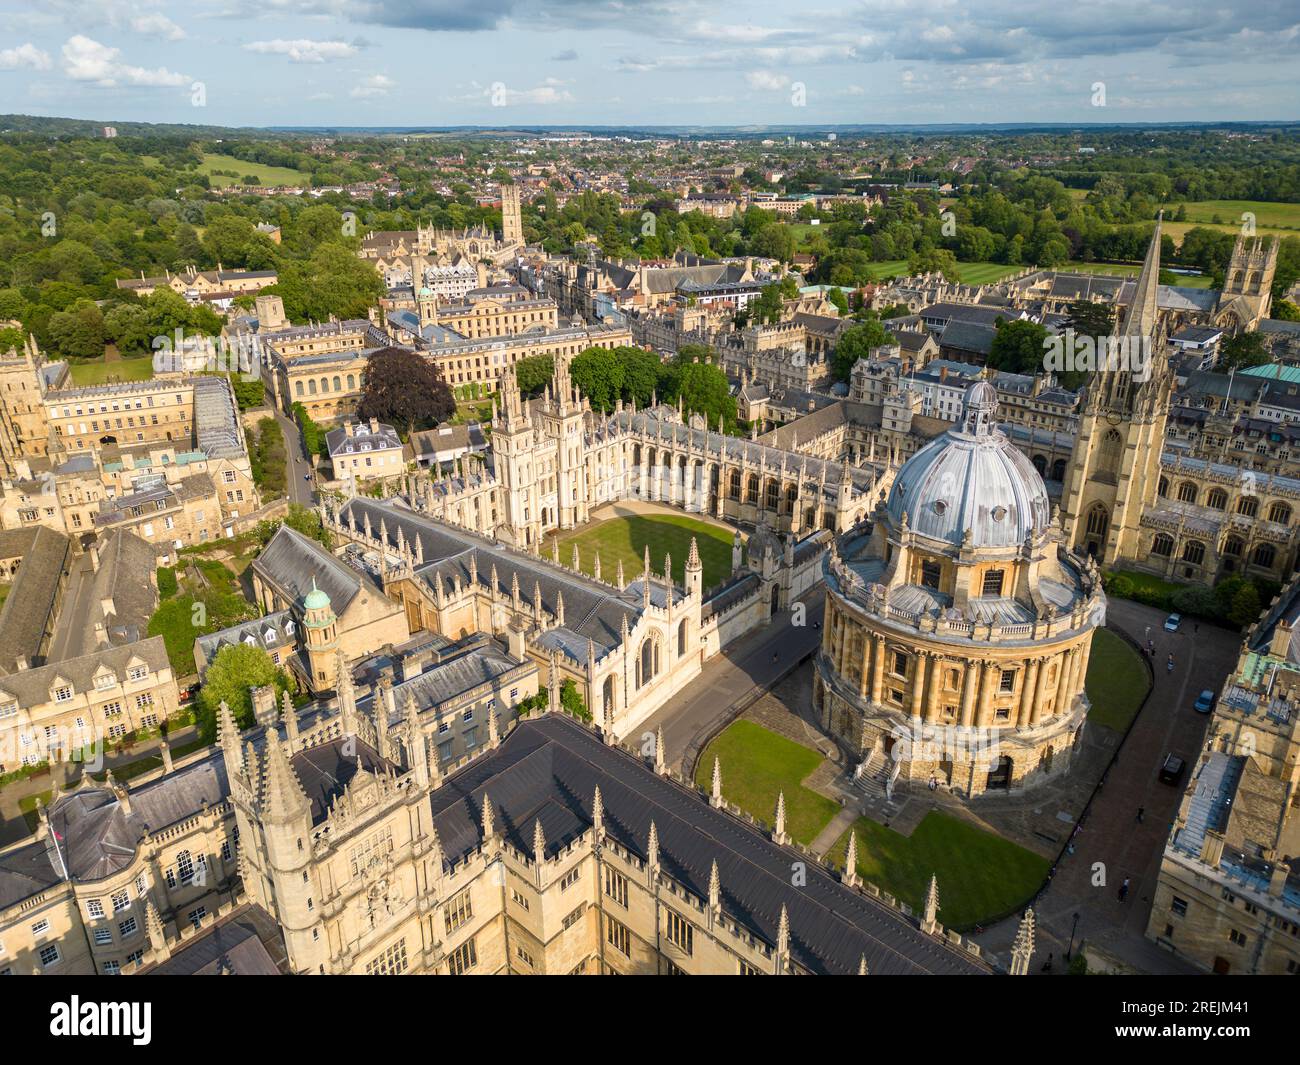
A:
(301, 485)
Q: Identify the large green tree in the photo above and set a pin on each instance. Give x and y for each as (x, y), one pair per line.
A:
(405, 389)
(231, 676)
(1018, 347)
(857, 342)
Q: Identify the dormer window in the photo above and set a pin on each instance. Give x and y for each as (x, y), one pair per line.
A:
(62, 693)
(993, 582)
(137, 672)
(105, 681)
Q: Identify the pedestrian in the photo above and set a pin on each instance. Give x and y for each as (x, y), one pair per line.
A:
(1141, 812)
(1123, 890)
(1047, 965)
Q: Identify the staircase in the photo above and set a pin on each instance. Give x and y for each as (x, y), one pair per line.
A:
(874, 778)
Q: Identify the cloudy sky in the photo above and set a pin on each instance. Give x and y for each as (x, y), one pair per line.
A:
(504, 62)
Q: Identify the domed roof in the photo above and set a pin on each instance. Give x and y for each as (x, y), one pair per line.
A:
(971, 478)
(316, 599)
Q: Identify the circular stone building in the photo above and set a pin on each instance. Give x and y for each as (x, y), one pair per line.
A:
(958, 625)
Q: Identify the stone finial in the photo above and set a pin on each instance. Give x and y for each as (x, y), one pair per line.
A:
(715, 889)
(778, 832)
(598, 814)
(693, 559)
(539, 842)
(652, 848)
(645, 569)
(489, 820)
(661, 765)
(783, 936)
(1022, 950)
(577, 561)
(715, 799)
(851, 876)
(930, 920)
(595, 569)
(559, 608)
(862, 965)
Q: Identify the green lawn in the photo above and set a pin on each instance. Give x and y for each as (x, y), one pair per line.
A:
(985, 273)
(1273, 215)
(1117, 681)
(981, 876)
(1131, 270)
(627, 537)
(27, 805)
(100, 372)
(756, 766)
(266, 175)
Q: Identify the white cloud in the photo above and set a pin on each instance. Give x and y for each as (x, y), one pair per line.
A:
(87, 60)
(766, 79)
(157, 26)
(25, 57)
(375, 85)
(303, 50)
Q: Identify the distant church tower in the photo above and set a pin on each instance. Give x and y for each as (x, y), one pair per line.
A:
(512, 220)
(1247, 294)
(1115, 467)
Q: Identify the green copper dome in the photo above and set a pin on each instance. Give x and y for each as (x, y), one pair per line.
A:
(316, 599)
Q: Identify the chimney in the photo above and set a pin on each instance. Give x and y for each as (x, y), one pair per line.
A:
(374, 425)
(164, 748)
(265, 712)
(515, 641)
(347, 428)
(94, 558)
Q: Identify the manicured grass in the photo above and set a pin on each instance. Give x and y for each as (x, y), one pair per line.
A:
(981, 876)
(627, 537)
(1149, 581)
(985, 273)
(756, 766)
(1280, 215)
(100, 372)
(1178, 230)
(267, 175)
(1132, 270)
(1117, 681)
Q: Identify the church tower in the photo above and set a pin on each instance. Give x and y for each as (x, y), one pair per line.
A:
(513, 446)
(320, 628)
(1115, 466)
(564, 412)
(512, 221)
(1247, 295)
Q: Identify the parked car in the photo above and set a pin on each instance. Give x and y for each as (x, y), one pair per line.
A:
(1204, 702)
(1171, 769)
(1172, 622)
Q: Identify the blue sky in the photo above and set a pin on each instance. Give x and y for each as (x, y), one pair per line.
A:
(502, 62)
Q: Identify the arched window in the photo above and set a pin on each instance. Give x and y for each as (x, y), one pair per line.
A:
(681, 639)
(751, 489)
(1162, 489)
(1040, 464)
(1108, 456)
(1280, 513)
(773, 490)
(1058, 470)
(1247, 506)
(1162, 545)
(311, 387)
(297, 389)
(184, 867)
(733, 488)
(1098, 521)
(352, 381)
(1218, 499)
(1194, 552)
(1187, 492)
(647, 665)
(1263, 555)
(1233, 546)
(791, 499)
(338, 384)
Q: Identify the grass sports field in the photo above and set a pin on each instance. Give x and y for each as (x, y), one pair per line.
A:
(266, 175)
(100, 372)
(626, 538)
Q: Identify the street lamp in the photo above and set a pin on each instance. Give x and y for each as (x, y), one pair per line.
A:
(1070, 948)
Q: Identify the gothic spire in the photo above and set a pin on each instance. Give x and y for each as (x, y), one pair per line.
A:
(1022, 950)
(1140, 319)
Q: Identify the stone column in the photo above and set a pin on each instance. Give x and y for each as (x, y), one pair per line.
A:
(918, 681)
(1036, 711)
(988, 677)
(1033, 667)
(932, 689)
(969, 688)
(878, 669)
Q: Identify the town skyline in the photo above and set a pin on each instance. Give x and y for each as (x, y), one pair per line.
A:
(343, 63)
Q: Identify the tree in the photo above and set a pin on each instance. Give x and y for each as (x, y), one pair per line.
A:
(1245, 606)
(237, 669)
(598, 374)
(1286, 311)
(857, 342)
(935, 261)
(534, 373)
(405, 389)
(572, 701)
(1090, 319)
(301, 519)
(704, 389)
(1018, 347)
(642, 372)
(1242, 351)
(78, 332)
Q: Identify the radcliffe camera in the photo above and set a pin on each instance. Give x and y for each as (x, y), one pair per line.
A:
(629, 488)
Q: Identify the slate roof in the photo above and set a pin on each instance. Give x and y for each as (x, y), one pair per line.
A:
(291, 562)
(272, 630)
(235, 946)
(126, 579)
(444, 681)
(548, 769)
(31, 687)
(28, 611)
(325, 770)
(592, 609)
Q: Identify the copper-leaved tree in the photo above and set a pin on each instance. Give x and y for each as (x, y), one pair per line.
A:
(405, 390)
